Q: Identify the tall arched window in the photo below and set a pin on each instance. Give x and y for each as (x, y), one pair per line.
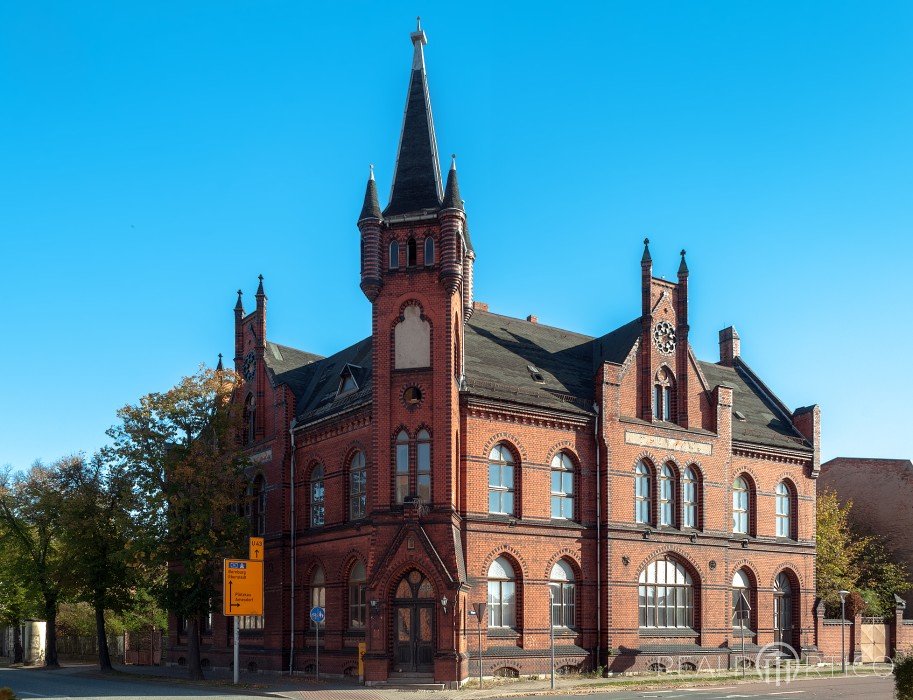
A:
(642, 493)
(402, 466)
(429, 251)
(741, 502)
(317, 496)
(665, 595)
(394, 255)
(666, 496)
(742, 600)
(561, 592)
(411, 252)
(502, 593)
(501, 480)
(784, 510)
(562, 486)
(250, 419)
(664, 396)
(357, 486)
(318, 592)
(689, 498)
(423, 465)
(357, 595)
(256, 498)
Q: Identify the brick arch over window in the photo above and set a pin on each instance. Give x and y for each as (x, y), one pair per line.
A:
(511, 553)
(513, 440)
(680, 554)
(398, 574)
(792, 570)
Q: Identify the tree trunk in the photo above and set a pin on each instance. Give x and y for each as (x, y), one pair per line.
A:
(194, 669)
(50, 639)
(104, 657)
(18, 656)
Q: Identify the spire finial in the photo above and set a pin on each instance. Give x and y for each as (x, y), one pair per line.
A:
(418, 24)
(219, 366)
(453, 161)
(646, 256)
(239, 306)
(682, 266)
(371, 168)
(260, 292)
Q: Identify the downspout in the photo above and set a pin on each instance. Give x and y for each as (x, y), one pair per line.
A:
(596, 425)
(294, 521)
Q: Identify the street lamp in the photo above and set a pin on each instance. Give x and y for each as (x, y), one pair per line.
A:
(843, 595)
(479, 610)
(551, 629)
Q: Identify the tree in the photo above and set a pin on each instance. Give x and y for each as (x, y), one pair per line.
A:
(30, 513)
(98, 502)
(852, 561)
(18, 599)
(181, 450)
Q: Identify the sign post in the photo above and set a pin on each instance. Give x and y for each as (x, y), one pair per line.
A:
(242, 594)
(318, 615)
(255, 548)
(480, 613)
(743, 617)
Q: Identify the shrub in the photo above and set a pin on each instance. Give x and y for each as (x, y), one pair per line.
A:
(903, 676)
(7, 694)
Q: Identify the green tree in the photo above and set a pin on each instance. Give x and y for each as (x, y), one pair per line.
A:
(98, 505)
(181, 451)
(18, 599)
(31, 509)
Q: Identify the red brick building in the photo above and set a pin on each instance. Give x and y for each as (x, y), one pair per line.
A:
(616, 491)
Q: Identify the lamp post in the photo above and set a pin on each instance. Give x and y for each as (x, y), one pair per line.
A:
(551, 629)
(480, 611)
(843, 595)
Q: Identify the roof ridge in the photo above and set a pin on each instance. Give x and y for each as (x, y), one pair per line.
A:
(535, 325)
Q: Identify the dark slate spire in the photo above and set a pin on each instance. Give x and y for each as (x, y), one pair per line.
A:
(417, 177)
(260, 292)
(452, 191)
(239, 306)
(371, 207)
(220, 367)
(683, 266)
(646, 256)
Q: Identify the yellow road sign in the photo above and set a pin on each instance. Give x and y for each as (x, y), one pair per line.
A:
(242, 587)
(255, 548)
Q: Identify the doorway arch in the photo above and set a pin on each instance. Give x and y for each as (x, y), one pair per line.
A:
(413, 623)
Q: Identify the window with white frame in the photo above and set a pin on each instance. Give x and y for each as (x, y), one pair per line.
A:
(502, 593)
(643, 497)
(740, 504)
(689, 498)
(562, 486)
(665, 595)
(501, 480)
(357, 486)
(561, 592)
(741, 600)
(666, 496)
(357, 596)
(784, 510)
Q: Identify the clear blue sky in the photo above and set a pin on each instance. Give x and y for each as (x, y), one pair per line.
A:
(158, 155)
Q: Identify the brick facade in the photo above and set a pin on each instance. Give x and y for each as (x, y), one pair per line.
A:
(593, 401)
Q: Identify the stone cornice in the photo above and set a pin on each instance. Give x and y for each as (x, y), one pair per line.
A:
(770, 454)
(489, 410)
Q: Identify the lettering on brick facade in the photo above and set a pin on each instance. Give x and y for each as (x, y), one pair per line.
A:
(261, 457)
(701, 448)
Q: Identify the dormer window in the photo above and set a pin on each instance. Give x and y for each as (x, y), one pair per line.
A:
(535, 374)
(347, 381)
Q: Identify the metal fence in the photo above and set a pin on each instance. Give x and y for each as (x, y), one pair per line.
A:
(86, 648)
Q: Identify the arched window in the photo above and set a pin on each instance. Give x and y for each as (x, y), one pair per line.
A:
(741, 502)
(664, 396)
(784, 514)
(318, 592)
(783, 604)
(394, 255)
(502, 594)
(689, 498)
(357, 486)
(411, 252)
(317, 496)
(250, 419)
(666, 496)
(402, 466)
(423, 465)
(562, 486)
(665, 595)
(357, 594)
(742, 600)
(256, 510)
(429, 251)
(501, 480)
(642, 493)
(561, 592)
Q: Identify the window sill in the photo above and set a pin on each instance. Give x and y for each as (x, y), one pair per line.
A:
(503, 632)
(356, 632)
(565, 631)
(667, 632)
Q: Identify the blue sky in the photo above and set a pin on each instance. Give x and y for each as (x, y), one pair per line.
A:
(158, 155)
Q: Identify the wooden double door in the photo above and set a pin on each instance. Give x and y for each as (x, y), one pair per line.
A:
(413, 624)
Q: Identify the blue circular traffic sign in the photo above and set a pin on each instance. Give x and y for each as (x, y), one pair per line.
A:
(318, 614)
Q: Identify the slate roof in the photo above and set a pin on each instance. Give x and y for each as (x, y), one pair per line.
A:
(529, 364)
(766, 421)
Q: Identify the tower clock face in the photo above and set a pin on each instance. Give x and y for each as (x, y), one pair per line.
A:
(250, 366)
(664, 337)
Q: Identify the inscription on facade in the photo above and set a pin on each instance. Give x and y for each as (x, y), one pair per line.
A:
(701, 448)
(261, 457)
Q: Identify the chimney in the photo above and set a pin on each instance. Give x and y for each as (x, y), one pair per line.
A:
(730, 346)
(532, 319)
(480, 306)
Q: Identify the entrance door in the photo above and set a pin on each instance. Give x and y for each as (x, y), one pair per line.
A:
(783, 610)
(413, 631)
